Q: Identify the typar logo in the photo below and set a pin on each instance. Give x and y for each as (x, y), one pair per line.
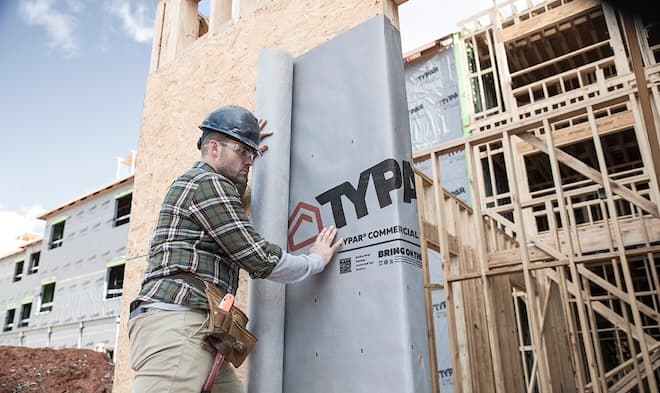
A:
(304, 212)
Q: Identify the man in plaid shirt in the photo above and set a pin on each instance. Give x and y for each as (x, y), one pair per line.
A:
(204, 235)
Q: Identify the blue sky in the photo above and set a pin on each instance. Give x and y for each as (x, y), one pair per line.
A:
(73, 74)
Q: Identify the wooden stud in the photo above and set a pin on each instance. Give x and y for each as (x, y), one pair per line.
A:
(444, 254)
(615, 41)
(544, 383)
(471, 154)
(593, 330)
(430, 329)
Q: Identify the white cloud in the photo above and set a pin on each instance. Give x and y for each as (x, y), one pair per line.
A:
(136, 21)
(60, 26)
(15, 223)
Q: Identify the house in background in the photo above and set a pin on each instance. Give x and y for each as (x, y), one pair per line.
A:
(64, 291)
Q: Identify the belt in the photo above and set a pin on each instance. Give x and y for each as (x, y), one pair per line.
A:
(139, 310)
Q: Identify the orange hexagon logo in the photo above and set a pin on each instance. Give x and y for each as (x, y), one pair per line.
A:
(303, 213)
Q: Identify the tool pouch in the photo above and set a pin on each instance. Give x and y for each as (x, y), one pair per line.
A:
(227, 327)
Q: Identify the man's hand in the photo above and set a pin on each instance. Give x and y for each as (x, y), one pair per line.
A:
(323, 245)
(263, 134)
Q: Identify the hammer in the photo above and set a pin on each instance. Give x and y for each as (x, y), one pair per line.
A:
(222, 347)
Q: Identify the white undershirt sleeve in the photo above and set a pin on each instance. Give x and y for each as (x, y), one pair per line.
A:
(295, 268)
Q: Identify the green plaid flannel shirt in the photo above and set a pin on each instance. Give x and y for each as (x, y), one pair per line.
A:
(202, 228)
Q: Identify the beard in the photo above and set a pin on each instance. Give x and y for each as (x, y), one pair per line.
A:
(239, 181)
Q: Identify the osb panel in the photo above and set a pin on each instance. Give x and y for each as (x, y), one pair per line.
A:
(213, 71)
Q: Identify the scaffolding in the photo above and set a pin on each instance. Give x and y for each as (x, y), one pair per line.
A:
(551, 277)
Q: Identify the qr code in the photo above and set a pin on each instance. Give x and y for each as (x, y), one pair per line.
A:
(344, 265)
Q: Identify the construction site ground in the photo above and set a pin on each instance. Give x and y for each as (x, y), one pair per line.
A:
(54, 370)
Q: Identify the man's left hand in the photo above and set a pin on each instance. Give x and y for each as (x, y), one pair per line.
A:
(263, 134)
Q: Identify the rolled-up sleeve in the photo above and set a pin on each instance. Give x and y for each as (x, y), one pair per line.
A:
(216, 205)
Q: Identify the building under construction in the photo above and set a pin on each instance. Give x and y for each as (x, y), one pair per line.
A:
(550, 275)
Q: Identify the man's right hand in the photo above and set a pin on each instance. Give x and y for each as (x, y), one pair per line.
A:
(323, 245)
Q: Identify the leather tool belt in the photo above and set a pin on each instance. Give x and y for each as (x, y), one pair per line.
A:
(226, 330)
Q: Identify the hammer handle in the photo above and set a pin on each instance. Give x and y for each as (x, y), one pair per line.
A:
(217, 363)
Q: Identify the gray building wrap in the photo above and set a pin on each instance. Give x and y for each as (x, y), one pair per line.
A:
(359, 326)
(432, 86)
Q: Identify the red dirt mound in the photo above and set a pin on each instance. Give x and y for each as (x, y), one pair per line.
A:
(54, 370)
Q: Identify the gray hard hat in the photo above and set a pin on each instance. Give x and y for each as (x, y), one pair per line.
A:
(233, 121)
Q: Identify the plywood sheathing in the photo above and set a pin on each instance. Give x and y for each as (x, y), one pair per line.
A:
(212, 70)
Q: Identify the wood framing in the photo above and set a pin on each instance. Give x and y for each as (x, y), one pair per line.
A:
(563, 236)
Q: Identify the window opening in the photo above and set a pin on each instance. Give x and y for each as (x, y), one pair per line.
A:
(18, 271)
(47, 297)
(33, 267)
(123, 210)
(56, 235)
(26, 309)
(115, 286)
(9, 320)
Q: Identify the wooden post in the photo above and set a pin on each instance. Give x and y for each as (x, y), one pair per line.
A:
(220, 14)
(430, 330)
(543, 379)
(180, 28)
(472, 155)
(594, 334)
(438, 197)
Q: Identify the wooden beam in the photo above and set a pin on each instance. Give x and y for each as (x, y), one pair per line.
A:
(592, 174)
(582, 131)
(508, 261)
(551, 17)
(512, 257)
(428, 49)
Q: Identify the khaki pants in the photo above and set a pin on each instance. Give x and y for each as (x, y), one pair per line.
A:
(167, 355)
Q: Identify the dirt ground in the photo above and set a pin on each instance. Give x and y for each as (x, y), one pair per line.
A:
(54, 370)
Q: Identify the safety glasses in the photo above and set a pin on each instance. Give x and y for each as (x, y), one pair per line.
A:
(244, 152)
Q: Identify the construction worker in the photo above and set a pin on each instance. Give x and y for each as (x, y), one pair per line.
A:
(204, 235)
